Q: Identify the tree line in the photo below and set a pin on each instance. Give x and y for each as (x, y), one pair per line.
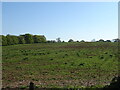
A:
(101, 40)
(22, 39)
(29, 39)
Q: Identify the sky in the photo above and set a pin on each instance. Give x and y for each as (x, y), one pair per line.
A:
(67, 20)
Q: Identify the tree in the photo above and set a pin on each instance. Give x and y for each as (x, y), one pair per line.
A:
(43, 38)
(58, 39)
(82, 41)
(39, 38)
(101, 40)
(12, 39)
(15, 39)
(4, 40)
(108, 41)
(36, 39)
(93, 40)
(9, 40)
(28, 38)
(70, 40)
(116, 40)
(51, 41)
(21, 39)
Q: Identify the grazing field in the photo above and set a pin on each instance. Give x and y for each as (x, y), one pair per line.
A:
(60, 65)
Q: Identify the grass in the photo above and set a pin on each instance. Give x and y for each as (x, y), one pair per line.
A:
(61, 65)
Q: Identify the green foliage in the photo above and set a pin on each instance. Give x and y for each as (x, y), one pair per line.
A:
(22, 39)
(15, 39)
(11, 40)
(28, 38)
(23, 87)
(4, 40)
(39, 39)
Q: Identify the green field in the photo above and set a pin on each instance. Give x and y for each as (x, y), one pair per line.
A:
(60, 65)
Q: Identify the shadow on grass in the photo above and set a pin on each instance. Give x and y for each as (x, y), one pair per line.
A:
(115, 83)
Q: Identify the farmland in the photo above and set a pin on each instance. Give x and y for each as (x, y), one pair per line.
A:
(60, 65)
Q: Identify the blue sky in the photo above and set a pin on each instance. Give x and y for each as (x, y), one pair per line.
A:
(70, 20)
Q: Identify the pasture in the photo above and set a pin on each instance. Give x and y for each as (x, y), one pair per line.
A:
(60, 65)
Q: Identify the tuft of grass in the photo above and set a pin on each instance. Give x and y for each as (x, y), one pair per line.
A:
(65, 63)
(66, 54)
(26, 58)
(78, 55)
(51, 59)
(101, 57)
(81, 64)
(111, 55)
